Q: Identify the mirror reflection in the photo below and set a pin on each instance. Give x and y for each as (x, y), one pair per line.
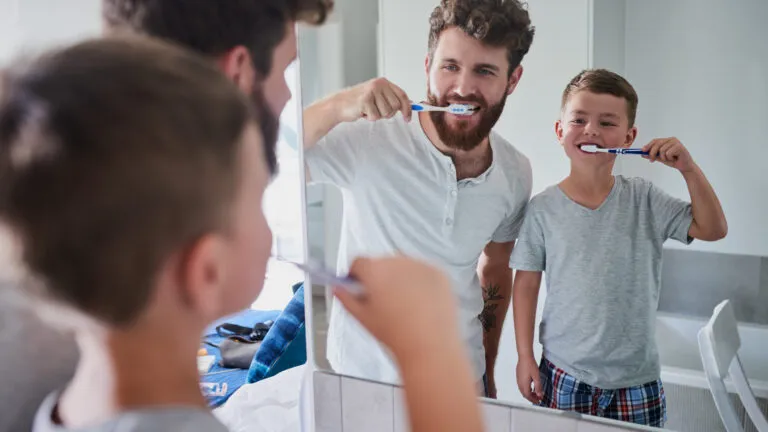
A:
(618, 259)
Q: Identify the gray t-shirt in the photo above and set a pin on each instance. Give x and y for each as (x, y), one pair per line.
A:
(35, 360)
(181, 419)
(603, 275)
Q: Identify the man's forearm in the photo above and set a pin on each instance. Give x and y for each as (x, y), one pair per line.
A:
(319, 119)
(497, 292)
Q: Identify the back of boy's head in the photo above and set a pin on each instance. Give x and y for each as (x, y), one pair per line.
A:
(603, 81)
(115, 154)
(213, 27)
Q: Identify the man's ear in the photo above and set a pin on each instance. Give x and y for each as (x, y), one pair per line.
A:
(237, 65)
(514, 79)
(203, 274)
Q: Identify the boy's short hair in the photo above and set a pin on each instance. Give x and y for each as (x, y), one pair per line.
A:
(496, 23)
(115, 154)
(603, 81)
(213, 27)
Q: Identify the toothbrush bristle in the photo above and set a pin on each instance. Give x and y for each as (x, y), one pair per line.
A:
(461, 109)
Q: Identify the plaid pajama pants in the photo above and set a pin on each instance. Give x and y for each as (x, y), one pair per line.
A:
(644, 404)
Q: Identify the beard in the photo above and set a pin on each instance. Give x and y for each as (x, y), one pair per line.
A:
(269, 125)
(460, 135)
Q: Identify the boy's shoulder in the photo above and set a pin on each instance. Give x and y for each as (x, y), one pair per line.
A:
(182, 419)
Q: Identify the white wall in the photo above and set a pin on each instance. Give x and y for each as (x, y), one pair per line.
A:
(701, 73)
(39, 24)
(560, 50)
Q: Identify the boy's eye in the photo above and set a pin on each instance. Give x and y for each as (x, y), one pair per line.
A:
(577, 121)
(607, 124)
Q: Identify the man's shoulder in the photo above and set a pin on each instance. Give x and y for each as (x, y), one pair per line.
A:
(507, 154)
(515, 165)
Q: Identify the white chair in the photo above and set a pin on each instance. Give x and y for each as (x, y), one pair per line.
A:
(719, 344)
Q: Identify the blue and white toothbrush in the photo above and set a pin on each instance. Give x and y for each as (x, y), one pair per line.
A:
(591, 148)
(458, 109)
(320, 275)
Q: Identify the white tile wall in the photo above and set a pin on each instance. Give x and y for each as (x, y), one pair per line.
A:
(498, 418)
(524, 420)
(344, 404)
(367, 406)
(327, 402)
(401, 413)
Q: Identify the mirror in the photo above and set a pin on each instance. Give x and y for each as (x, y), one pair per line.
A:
(705, 87)
(283, 207)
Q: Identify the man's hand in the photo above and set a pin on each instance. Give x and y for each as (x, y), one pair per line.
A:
(490, 384)
(374, 100)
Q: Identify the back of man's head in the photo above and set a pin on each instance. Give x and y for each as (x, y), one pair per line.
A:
(215, 27)
(114, 155)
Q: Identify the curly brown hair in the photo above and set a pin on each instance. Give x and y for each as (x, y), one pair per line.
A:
(214, 27)
(603, 81)
(497, 23)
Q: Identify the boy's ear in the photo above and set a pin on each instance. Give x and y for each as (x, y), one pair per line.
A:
(629, 139)
(203, 275)
(559, 131)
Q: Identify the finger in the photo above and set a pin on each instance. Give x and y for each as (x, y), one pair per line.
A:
(525, 391)
(405, 103)
(370, 110)
(383, 105)
(653, 149)
(393, 101)
(537, 386)
(361, 269)
(667, 151)
(351, 303)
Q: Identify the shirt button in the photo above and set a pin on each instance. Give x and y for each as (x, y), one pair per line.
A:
(449, 221)
(453, 192)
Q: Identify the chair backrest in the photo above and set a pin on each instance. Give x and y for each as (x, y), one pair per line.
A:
(719, 344)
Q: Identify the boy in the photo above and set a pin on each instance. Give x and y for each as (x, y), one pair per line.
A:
(252, 42)
(599, 238)
(131, 179)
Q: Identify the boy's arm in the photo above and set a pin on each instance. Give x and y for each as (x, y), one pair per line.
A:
(709, 222)
(496, 282)
(525, 296)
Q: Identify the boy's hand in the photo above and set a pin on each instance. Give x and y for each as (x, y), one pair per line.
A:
(670, 152)
(527, 374)
(407, 305)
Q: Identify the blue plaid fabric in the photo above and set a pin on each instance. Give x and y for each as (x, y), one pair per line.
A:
(644, 404)
(279, 341)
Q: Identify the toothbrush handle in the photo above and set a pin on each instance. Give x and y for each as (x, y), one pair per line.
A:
(630, 151)
(417, 107)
